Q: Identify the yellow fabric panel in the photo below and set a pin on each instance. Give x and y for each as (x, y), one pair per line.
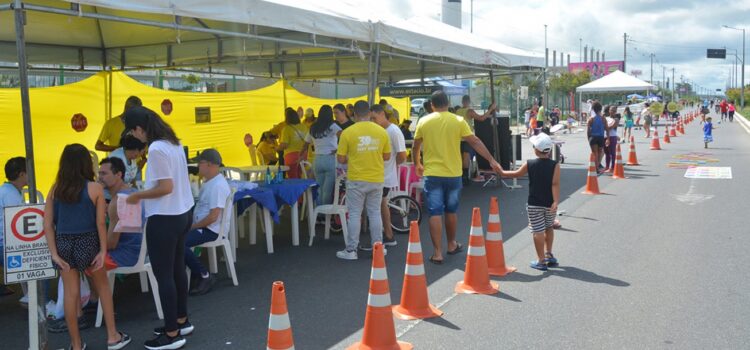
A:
(51, 111)
(233, 114)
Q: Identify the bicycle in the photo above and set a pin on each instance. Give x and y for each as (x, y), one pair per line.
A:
(403, 208)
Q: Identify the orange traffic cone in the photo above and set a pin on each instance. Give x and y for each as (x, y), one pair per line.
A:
(666, 135)
(619, 172)
(414, 300)
(632, 157)
(672, 130)
(476, 277)
(379, 332)
(494, 243)
(592, 183)
(279, 328)
(655, 141)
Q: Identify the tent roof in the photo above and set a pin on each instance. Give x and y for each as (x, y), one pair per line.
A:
(614, 82)
(301, 39)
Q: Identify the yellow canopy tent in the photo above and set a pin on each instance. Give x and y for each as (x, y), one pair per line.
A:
(232, 115)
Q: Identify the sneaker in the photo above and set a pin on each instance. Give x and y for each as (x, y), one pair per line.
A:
(365, 247)
(347, 254)
(539, 266)
(391, 242)
(123, 342)
(550, 260)
(59, 325)
(479, 178)
(203, 286)
(184, 328)
(165, 342)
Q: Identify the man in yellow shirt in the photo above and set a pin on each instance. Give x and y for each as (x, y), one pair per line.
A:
(470, 116)
(438, 137)
(364, 146)
(109, 138)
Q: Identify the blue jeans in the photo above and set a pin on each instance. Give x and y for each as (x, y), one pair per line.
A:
(442, 194)
(325, 175)
(194, 238)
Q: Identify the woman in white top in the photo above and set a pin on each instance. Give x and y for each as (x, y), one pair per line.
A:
(324, 134)
(168, 204)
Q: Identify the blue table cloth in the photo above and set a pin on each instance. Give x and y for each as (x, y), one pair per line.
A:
(273, 196)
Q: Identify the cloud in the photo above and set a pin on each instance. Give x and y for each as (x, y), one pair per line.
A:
(677, 32)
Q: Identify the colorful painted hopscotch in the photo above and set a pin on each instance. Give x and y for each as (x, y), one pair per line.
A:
(709, 172)
(693, 159)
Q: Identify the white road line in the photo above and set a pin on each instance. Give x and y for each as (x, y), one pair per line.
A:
(414, 323)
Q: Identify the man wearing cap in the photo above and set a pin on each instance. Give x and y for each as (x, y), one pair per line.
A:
(206, 216)
(544, 196)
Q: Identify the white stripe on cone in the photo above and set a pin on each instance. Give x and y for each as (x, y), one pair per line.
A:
(279, 322)
(414, 270)
(292, 348)
(476, 251)
(494, 236)
(379, 274)
(494, 218)
(379, 300)
(414, 247)
(477, 231)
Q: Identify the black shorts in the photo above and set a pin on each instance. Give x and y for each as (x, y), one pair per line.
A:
(78, 250)
(596, 141)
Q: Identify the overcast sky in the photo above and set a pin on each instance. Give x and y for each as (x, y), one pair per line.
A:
(678, 32)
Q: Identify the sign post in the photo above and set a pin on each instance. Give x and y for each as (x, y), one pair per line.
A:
(27, 258)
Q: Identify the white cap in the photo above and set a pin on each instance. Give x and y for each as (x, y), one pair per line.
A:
(541, 142)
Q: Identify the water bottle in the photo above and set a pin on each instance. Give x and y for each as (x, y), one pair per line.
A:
(268, 176)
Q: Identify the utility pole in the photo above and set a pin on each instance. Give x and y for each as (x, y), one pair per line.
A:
(652, 68)
(663, 76)
(742, 76)
(546, 55)
(673, 84)
(624, 51)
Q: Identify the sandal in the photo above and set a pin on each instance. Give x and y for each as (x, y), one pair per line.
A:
(459, 248)
(435, 261)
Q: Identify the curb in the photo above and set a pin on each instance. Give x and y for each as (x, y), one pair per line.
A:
(743, 122)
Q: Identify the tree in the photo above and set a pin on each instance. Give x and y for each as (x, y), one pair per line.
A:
(565, 83)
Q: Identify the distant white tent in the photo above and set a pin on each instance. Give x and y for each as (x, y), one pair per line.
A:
(615, 82)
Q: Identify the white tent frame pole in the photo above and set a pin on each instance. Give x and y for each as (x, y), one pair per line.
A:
(37, 325)
(176, 26)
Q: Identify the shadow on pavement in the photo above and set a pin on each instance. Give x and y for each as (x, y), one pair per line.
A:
(442, 322)
(586, 276)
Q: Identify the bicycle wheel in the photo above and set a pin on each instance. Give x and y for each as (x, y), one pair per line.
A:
(404, 210)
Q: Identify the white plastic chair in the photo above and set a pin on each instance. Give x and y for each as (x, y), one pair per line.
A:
(222, 241)
(338, 208)
(140, 267)
(396, 191)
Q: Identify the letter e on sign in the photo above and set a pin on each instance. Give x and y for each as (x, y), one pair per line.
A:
(28, 224)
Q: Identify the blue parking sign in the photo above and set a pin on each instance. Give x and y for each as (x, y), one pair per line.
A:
(14, 262)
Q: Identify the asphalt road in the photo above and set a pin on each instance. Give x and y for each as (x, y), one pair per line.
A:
(656, 263)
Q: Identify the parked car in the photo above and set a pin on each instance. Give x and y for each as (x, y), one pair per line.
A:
(417, 106)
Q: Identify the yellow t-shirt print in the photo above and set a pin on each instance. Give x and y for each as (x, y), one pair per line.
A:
(364, 144)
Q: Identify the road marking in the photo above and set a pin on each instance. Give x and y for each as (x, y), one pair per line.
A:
(692, 198)
(414, 323)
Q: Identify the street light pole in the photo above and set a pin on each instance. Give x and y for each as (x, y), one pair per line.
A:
(544, 83)
(742, 76)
